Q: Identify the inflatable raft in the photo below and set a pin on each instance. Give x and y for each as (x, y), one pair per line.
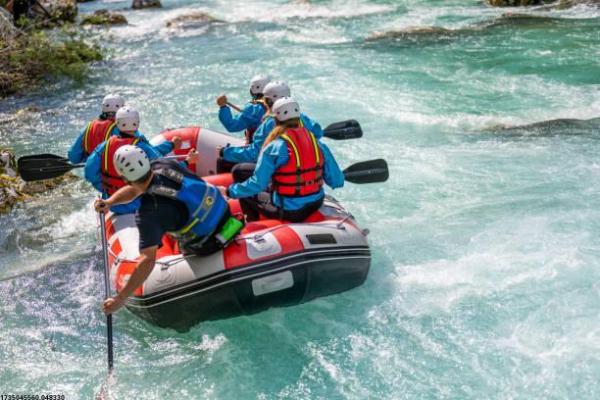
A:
(271, 263)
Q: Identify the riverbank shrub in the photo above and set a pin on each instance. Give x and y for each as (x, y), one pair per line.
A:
(31, 58)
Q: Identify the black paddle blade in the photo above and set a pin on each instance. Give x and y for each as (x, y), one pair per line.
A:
(371, 171)
(43, 166)
(37, 157)
(344, 130)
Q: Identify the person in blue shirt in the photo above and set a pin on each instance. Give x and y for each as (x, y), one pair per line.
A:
(100, 168)
(173, 200)
(97, 130)
(296, 163)
(249, 118)
(251, 115)
(247, 156)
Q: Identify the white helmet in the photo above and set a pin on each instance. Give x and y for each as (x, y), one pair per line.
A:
(258, 83)
(286, 108)
(276, 90)
(112, 103)
(131, 162)
(128, 119)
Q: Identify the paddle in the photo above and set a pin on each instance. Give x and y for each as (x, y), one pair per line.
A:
(371, 171)
(47, 166)
(343, 130)
(349, 129)
(109, 332)
(44, 166)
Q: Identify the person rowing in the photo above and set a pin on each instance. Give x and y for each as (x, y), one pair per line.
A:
(100, 169)
(249, 117)
(247, 156)
(295, 163)
(97, 130)
(172, 200)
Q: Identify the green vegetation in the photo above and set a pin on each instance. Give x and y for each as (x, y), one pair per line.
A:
(28, 59)
(103, 17)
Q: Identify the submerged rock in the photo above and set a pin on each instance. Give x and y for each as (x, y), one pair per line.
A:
(416, 33)
(523, 20)
(14, 190)
(515, 3)
(192, 20)
(562, 4)
(21, 114)
(559, 126)
(104, 17)
(436, 33)
(140, 4)
(551, 4)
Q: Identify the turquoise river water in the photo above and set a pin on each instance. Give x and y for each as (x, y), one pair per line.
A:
(485, 281)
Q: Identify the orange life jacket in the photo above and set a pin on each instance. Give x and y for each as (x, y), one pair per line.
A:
(302, 175)
(96, 132)
(111, 180)
(249, 132)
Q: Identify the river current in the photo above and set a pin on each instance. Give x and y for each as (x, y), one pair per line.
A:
(485, 280)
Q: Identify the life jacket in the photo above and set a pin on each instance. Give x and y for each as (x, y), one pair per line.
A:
(96, 132)
(302, 175)
(205, 204)
(111, 179)
(249, 132)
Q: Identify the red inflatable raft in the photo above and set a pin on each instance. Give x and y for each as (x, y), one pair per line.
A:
(271, 263)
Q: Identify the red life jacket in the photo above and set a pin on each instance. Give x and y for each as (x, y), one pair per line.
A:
(249, 132)
(111, 180)
(96, 132)
(302, 175)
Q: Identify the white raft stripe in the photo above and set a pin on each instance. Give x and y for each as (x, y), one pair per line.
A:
(129, 304)
(237, 270)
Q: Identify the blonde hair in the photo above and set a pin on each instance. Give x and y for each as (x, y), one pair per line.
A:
(281, 128)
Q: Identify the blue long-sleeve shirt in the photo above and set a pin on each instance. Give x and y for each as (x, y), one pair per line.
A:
(93, 169)
(250, 117)
(274, 156)
(249, 153)
(76, 153)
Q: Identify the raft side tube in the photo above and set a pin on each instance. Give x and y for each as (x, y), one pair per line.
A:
(279, 283)
(205, 141)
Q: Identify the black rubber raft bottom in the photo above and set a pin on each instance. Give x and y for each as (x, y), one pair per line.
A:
(230, 293)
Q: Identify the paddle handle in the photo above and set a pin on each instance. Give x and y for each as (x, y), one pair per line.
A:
(109, 330)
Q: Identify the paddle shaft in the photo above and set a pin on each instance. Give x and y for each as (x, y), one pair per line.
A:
(334, 131)
(109, 331)
(234, 107)
(68, 167)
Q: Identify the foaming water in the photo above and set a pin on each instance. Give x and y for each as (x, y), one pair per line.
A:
(485, 238)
